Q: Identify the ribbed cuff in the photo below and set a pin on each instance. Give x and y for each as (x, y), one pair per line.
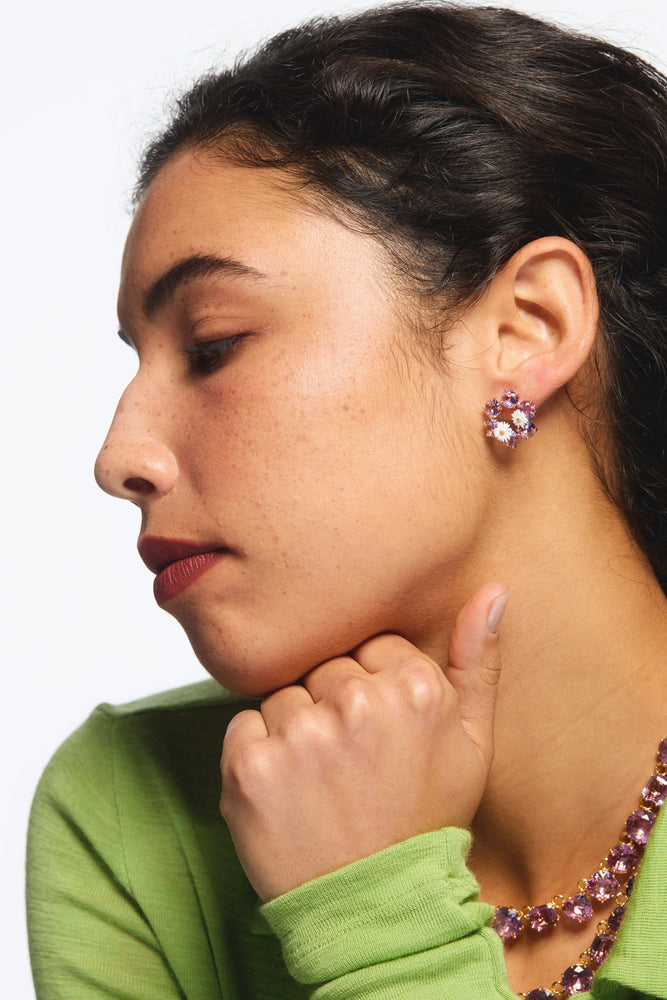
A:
(409, 898)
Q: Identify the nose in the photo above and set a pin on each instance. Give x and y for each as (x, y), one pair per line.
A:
(135, 462)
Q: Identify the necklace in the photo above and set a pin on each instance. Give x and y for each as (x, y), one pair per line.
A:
(603, 886)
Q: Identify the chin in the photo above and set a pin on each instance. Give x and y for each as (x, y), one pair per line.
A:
(252, 676)
(254, 662)
(247, 663)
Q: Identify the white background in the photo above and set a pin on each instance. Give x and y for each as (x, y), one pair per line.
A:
(82, 84)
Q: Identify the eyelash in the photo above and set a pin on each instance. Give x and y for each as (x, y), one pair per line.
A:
(210, 355)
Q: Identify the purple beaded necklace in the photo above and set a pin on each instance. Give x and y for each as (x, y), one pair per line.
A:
(601, 887)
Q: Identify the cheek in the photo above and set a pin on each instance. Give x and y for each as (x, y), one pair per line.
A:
(283, 429)
(336, 446)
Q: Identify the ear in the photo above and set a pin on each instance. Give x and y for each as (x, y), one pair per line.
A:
(542, 311)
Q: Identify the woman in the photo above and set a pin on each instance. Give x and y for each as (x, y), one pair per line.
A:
(397, 285)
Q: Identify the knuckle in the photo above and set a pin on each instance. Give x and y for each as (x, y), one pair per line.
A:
(353, 699)
(245, 771)
(421, 687)
(299, 725)
(489, 678)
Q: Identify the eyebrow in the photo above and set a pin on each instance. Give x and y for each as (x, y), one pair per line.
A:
(197, 266)
(189, 269)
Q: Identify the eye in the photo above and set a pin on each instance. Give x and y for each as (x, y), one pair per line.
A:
(210, 355)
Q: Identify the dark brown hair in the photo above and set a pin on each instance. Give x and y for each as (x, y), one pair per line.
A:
(458, 134)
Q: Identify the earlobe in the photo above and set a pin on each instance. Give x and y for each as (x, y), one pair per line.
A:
(547, 314)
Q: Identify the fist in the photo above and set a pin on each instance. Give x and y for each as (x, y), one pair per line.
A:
(370, 749)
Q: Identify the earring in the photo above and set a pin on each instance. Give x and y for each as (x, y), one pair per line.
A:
(521, 425)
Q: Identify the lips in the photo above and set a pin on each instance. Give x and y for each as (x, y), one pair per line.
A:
(177, 563)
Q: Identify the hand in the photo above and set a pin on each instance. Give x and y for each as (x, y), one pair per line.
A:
(370, 749)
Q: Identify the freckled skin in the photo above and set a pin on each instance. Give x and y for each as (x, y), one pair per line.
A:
(335, 463)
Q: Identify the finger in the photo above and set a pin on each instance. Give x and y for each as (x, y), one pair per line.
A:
(473, 663)
(329, 676)
(245, 734)
(401, 667)
(280, 707)
(387, 652)
(244, 728)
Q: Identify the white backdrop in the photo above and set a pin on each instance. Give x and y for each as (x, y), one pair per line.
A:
(82, 83)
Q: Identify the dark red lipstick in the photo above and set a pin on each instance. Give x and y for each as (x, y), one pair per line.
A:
(177, 563)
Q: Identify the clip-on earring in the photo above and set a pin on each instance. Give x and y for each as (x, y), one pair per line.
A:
(521, 425)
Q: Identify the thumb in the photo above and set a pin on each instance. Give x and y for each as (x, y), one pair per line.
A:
(473, 663)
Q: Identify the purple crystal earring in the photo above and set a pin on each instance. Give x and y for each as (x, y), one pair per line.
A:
(519, 423)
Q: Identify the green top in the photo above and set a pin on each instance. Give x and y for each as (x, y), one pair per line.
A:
(135, 891)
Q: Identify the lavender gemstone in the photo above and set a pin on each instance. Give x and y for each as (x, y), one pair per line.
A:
(539, 995)
(615, 918)
(577, 979)
(662, 751)
(490, 427)
(543, 917)
(492, 409)
(507, 923)
(629, 885)
(509, 399)
(578, 908)
(656, 790)
(528, 430)
(602, 886)
(601, 947)
(639, 825)
(528, 408)
(623, 859)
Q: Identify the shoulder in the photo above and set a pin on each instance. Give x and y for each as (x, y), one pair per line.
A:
(191, 697)
(165, 739)
(197, 710)
(127, 849)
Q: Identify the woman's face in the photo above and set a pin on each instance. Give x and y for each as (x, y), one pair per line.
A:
(281, 421)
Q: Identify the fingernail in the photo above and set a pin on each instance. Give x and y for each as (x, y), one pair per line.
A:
(496, 611)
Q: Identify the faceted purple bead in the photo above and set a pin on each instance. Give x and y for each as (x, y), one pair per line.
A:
(507, 922)
(528, 408)
(539, 995)
(543, 917)
(639, 825)
(578, 908)
(577, 979)
(509, 399)
(629, 885)
(615, 918)
(662, 751)
(528, 430)
(602, 886)
(601, 947)
(490, 427)
(623, 859)
(656, 790)
(492, 409)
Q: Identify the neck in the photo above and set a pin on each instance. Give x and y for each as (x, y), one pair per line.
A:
(581, 702)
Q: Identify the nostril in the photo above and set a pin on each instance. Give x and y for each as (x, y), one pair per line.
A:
(138, 485)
